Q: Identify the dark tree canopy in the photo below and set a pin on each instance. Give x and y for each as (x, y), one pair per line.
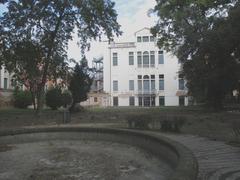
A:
(204, 35)
(80, 83)
(39, 31)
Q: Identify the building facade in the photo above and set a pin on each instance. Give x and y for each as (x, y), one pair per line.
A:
(96, 96)
(138, 73)
(6, 87)
(5, 79)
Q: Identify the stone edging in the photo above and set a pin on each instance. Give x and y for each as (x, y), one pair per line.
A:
(185, 163)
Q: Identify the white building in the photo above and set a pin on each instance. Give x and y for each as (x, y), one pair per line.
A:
(138, 73)
(5, 79)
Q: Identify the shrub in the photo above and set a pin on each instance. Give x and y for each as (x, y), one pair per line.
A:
(139, 121)
(66, 98)
(172, 124)
(22, 99)
(54, 98)
(236, 130)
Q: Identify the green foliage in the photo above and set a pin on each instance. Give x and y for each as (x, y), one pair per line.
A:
(80, 83)
(54, 98)
(66, 98)
(236, 130)
(172, 124)
(139, 121)
(35, 35)
(22, 99)
(205, 37)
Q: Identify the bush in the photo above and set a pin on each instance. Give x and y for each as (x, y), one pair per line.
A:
(22, 99)
(172, 124)
(66, 98)
(54, 98)
(236, 131)
(139, 121)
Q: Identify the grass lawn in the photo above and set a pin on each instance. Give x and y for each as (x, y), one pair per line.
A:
(215, 125)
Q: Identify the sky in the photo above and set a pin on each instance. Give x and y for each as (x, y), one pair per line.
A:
(132, 16)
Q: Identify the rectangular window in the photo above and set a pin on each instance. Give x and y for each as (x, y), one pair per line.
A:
(181, 101)
(131, 85)
(115, 59)
(152, 85)
(95, 99)
(152, 39)
(161, 101)
(140, 99)
(181, 85)
(152, 58)
(145, 38)
(146, 86)
(146, 59)
(139, 59)
(160, 57)
(115, 101)
(139, 39)
(161, 82)
(131, 101)
(139, 85)
(131, 58)
(5, 83)
(115, 85)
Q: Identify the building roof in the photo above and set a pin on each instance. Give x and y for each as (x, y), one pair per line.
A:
(145, 28)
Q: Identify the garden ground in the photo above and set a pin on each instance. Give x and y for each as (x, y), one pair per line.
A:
(212, 137)
(223, 125)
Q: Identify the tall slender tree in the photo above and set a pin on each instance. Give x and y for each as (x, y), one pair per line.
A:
(80, 83)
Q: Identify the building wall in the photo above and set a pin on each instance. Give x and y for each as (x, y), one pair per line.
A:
(5, 75)
(124, 72)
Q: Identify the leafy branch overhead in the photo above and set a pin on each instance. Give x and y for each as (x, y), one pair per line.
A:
(204, 35)
(39, 31)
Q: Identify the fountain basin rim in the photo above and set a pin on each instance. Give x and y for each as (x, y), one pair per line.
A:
(186, 166)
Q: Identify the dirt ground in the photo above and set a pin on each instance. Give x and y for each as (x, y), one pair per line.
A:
(223, 125)
(81, 159)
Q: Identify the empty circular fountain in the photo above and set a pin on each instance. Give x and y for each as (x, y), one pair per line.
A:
(91, 153)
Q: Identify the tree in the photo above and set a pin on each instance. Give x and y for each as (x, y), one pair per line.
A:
(47, 26)
(203, 35)
(66, 98)
(80, 83)
(54, 98)
(22, 99)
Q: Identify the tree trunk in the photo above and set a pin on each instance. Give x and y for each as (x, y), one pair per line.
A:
(40, 101)
(33, 99)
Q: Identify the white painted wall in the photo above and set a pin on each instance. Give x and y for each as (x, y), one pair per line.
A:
(5, 74)
(124, 72)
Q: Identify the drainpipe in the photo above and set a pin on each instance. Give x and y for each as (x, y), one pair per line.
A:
(110, 76)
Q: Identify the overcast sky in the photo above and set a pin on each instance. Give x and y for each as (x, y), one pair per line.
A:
(132, 16)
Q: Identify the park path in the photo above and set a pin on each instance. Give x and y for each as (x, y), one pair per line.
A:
(217, 160)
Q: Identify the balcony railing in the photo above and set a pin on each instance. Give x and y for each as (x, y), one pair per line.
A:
(122, 45)
(146, 65)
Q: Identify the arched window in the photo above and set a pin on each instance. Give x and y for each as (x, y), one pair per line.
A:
(145, 59)
(145, 77)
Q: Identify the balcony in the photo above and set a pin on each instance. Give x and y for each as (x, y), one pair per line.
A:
(122, 45)
(146, 65)
(146, 92)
